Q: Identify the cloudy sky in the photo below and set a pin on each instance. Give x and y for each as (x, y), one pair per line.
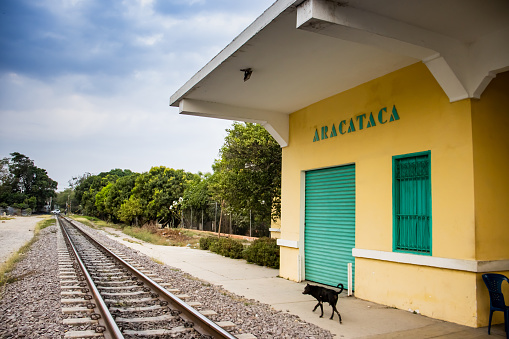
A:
(85, 84)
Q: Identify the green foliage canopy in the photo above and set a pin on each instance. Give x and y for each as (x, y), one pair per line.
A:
(88, 186)
(118, 194)
(158, 188)
(130, 210)
(24, 185)
(248, 173)
(121, 195)
(197, 193)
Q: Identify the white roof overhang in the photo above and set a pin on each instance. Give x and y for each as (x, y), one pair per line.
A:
(301, 52)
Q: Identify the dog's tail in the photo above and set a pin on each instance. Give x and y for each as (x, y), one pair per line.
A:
(342, 288)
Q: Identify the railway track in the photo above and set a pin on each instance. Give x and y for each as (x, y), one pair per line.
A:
(105, 295)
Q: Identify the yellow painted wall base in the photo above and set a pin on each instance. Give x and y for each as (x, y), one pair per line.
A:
(289, 268)
(451, 295)
(443, 294)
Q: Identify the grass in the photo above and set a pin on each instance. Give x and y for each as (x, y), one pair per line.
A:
(44, 223)
(150, 233)
(145, 235)
(94, 222)
(182, 237)
(8, 266)
(129, 240)
(157, 261)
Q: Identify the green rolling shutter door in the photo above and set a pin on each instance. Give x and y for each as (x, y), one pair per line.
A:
(329, 232)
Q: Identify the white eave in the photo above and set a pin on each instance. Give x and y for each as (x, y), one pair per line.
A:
(301, 52)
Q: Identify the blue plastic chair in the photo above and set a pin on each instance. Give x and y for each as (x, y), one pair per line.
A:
(494, 282)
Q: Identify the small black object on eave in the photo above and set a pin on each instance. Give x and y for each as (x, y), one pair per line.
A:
(247, 73)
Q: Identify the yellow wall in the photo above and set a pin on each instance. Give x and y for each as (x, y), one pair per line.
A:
(451, 295)
(434, 292)
(490, 126)
(490, 117)
(275, 225)
(288, 263)
(428, 121)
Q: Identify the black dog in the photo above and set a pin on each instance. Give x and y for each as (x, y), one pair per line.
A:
(323, 294)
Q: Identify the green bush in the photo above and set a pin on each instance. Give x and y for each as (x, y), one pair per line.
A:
(206, 242)
(227, 247)
(263, 252)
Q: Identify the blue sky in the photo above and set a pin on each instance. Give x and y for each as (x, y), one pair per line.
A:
(85, 84)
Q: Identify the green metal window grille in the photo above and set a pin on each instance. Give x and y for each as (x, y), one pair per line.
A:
(412, 203)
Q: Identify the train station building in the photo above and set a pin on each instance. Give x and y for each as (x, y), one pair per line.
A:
(393, 118)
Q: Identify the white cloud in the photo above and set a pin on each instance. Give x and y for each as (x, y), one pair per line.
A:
(149, 40)
(85, 87)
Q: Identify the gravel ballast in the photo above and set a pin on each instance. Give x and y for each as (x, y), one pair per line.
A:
(30, 307)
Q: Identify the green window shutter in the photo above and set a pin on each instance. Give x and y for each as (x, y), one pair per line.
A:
(412, 203)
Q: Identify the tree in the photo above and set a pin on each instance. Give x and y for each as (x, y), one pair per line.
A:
(5, 174)
(118, 194)
(249, 172)
(23, 184)
(196, 194)
(157, 189)
(100, 199)
(130, 211)
(121, 195)
(247, 176)
(67, 200)
(89, 185)
(197, 200)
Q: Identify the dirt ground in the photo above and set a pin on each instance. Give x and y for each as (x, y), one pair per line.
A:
(14, 233)
(175, 234)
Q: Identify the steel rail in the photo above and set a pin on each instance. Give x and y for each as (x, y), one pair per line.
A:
(201, 323)
(112, 330)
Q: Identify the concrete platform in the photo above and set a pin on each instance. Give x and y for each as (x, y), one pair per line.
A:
(15, 233)
(361, 319)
